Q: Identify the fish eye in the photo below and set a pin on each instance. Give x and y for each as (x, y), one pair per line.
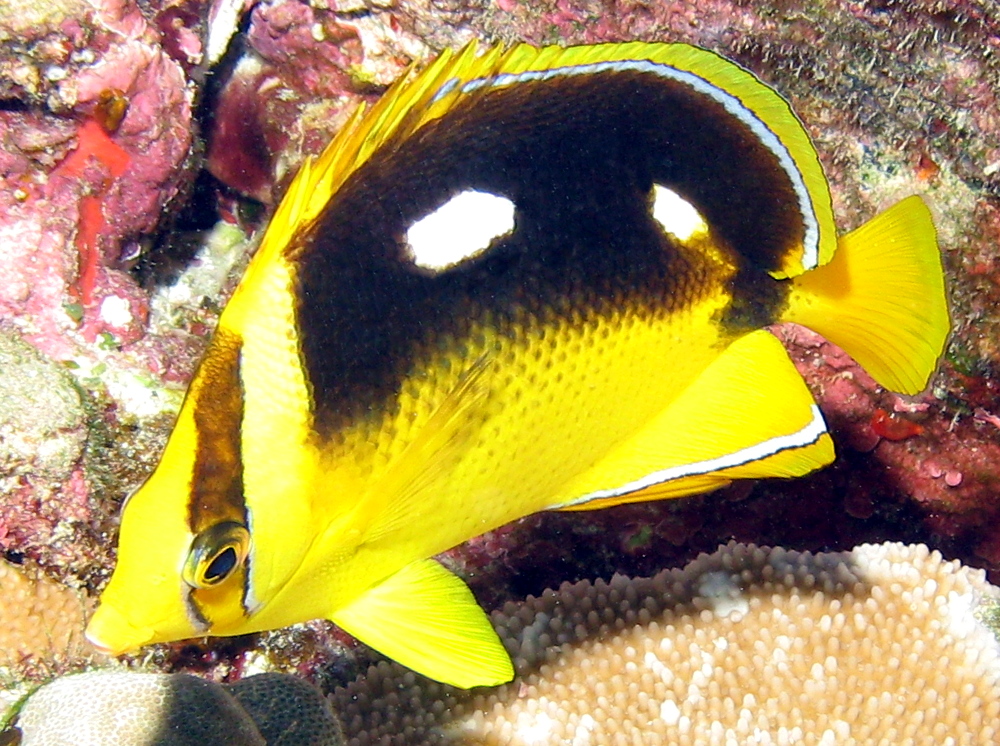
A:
(215, 553)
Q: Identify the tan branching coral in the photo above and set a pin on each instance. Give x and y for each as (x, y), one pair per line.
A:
(39, 619)
(881, 645)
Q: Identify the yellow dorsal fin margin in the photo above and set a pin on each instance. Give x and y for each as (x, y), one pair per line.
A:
(417, 98)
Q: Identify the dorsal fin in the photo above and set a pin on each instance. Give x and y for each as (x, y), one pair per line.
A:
(419, 97)
(402, 109)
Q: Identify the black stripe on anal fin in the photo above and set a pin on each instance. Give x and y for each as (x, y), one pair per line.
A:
(578, 156)
(217, 478)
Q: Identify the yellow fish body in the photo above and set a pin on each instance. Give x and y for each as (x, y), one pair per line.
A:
(618, 224)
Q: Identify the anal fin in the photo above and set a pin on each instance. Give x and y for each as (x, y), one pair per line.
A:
(427, 619)
(749, 415)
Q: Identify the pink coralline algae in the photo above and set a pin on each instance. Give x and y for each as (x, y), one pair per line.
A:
(934, 452)
(43, 437)
(82, 195)
(284, 96)
(96, 134)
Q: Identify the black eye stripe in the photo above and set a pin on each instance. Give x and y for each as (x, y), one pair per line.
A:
(217, 479)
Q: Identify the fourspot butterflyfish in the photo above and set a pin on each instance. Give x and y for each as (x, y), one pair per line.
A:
(525, 280)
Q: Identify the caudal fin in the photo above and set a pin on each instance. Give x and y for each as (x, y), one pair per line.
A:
(881, 298)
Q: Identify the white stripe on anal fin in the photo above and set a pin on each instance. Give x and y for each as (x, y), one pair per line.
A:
(806, 436)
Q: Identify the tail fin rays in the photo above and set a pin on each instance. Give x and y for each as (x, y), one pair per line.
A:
(881, 298)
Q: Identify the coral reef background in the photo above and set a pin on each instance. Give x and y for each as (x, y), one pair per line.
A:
(887, 643)
(879, 645)
(141, 145)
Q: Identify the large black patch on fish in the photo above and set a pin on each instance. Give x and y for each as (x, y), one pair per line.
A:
(578, 155)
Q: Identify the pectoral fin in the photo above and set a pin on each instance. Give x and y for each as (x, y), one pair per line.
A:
(398, 500)
(427, 619)
(749, 415)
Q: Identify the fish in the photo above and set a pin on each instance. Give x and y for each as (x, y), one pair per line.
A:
(526, 279)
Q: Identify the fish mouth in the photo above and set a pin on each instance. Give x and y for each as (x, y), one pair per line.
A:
(111, 633)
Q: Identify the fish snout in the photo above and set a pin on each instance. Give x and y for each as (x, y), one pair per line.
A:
(111, 633)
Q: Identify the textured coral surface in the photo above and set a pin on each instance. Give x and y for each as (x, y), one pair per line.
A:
(879, 645)
(141, 709)
(134, 709)
(113, 116)
(39, 619)
(883, 644)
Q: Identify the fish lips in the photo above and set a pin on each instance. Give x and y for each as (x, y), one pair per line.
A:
(111, 633)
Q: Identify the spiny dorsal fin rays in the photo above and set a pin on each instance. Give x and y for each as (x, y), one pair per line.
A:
(366, 131)
(416, 99)
(395, 115)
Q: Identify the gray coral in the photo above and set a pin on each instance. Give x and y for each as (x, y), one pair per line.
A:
(136, 709)
(287, 710)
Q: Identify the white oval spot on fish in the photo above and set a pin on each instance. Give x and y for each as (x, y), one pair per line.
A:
(461, 228)
(678, 217)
